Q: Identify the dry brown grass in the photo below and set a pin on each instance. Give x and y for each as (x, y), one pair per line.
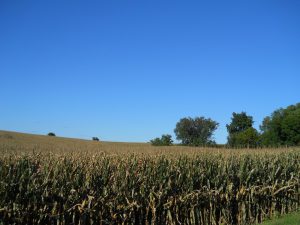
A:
(28, 143)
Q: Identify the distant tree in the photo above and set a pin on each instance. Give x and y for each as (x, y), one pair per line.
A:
(95, 139)
(196, 132)
(165, 140)
(240, 130)
(51, 134)
(156, 141)
(282, 127)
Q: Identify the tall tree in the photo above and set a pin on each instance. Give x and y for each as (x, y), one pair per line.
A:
(196, 132)
(239, 122)
(240, 130)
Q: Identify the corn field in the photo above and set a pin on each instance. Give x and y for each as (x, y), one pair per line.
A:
(196, 187)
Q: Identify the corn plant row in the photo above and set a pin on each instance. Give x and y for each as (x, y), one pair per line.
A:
(142, 189)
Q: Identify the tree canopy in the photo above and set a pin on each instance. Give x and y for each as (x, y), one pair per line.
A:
(282, 127)
(51, 134)
(165, 140)
(95, 139)
(196, 131)
(239, 122)
(240, 130)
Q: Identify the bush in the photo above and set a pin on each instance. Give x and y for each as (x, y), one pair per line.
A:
(51, 134)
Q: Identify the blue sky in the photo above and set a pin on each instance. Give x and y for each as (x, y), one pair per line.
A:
(129, 70)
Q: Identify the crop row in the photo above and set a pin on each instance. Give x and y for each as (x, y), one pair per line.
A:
(141, 189)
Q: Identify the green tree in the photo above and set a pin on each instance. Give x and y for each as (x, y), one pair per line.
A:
(196, 132)
(240, 130)
(95, 139)
(239, 122)
(165, 140)
(282, 127)
(51, 134)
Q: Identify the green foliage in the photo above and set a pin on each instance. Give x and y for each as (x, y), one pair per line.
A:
(248, 138)
(165, 140)
(239, 122)
(95, 138)
(196, 132)
(241, 132)
(282, 127)
(51, 134)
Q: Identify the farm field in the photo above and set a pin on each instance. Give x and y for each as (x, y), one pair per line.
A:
(53, 180)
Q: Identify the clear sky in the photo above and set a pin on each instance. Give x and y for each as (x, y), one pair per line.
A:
(129, 70)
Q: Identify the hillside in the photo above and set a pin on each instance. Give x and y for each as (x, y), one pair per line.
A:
(29, 142)
(24, 142)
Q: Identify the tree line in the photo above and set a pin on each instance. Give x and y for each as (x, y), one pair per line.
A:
(281, 128)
